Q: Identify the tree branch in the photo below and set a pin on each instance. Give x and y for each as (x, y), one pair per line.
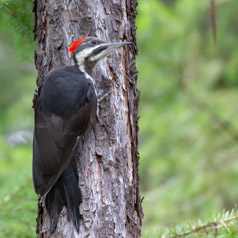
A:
(213, 18)
(216, 225)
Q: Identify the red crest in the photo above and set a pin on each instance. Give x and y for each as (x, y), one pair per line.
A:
(75, 44)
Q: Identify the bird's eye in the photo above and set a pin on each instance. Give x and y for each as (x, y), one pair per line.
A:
(94, 42)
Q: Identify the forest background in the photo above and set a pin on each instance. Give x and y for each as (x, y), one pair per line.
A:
(188, 117)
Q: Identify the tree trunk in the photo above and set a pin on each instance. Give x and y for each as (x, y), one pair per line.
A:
(108, 165)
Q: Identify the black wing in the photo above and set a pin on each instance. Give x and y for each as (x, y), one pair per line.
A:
(64, 107)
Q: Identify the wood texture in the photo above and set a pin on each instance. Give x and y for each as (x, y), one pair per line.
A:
(108, 165)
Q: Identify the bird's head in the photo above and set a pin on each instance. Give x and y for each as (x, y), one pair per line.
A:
(87, 51)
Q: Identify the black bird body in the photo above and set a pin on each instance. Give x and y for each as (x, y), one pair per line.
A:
(65, 105)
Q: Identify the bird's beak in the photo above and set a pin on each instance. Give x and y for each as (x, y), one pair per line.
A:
(114, 46)
(106, 49)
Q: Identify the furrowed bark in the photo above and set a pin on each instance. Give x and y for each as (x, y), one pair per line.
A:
(108, 163)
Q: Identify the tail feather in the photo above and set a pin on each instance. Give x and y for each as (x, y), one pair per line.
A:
(72, 193)
(65, 193)
(55, 200)
(53, 225)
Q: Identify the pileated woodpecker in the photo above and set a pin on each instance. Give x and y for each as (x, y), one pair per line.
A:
(64, 106)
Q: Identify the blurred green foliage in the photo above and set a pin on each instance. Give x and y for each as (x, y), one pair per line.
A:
(188, 116)
(188, 110)
(18, 16)
(18, 202)
(17, 86)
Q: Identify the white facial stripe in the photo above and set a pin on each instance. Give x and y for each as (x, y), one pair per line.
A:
(86, 52)
(99, 56)
(82, 55)
(103, 53)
